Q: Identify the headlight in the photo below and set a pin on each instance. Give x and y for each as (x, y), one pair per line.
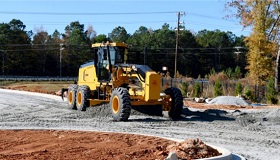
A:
(133, 67)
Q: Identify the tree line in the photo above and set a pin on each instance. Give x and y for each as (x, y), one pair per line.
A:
(42, 54)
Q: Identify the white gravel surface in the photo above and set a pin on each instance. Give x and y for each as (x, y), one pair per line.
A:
(254, 134)
(229, 100)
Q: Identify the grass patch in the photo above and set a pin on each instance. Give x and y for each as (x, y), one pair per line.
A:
(49, 87)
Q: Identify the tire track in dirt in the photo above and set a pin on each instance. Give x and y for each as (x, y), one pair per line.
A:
(246, 132)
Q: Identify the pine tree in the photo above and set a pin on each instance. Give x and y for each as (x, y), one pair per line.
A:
(237, 72)
(197, 90)
(271, 93)
(184, 89)
(238, 89)
(218, 90)
(248, 93)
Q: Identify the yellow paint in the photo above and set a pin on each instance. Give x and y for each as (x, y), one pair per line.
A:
(87, 76)
(115, 104)
(79, 98)
(141, 93)
(152, 86)
(94, 102)
(70, 97)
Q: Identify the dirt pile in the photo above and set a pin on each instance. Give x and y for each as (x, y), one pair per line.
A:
(192, 149)
(229, 100)
(50, 144)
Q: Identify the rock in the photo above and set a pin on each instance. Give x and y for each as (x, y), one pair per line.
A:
(191, 149)
(199, 100)
(172, 156)
(208, 100)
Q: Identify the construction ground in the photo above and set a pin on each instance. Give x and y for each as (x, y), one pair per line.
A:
(41, 126)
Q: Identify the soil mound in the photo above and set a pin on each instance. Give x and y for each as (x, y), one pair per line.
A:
(229, 100)
(50, 144)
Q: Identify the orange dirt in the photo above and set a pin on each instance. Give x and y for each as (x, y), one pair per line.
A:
(40, 144)
(50, 144)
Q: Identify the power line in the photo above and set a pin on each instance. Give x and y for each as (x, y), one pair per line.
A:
(220, 26)
(99, 22)
(73, 13)
(121, 13)
(96, 23)
(210, 17)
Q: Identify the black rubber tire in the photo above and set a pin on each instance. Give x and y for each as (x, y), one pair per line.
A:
(82, 96)
(120, 104)
(72, 90)
(177, 102)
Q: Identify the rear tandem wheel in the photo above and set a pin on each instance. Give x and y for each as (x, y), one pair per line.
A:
(72, 90)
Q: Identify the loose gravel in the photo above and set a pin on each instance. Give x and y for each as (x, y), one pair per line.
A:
(229, 100)
(254, 134)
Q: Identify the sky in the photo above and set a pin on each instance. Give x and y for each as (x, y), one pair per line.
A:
(106, 15)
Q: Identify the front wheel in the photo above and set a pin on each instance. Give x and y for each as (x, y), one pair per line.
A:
(174, 102)
(83, 93)
(120, 104)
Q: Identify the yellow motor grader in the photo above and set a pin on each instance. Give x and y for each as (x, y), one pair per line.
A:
(110, 79)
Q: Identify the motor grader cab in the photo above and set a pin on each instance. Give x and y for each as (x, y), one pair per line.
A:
(110, 79)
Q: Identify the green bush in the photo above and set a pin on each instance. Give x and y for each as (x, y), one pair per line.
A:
(197, 90)
(271, 93)
(237, 72)
(212, 72)
(184, 88)
(229, 72)
(248, 94)
(238, 89)
(218, 90)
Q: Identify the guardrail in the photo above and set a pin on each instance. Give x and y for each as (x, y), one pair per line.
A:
(36, 78)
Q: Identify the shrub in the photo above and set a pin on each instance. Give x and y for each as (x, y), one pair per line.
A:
(248, 94)
(212, 72)
(237, 72)
(271, 93)
(184, 88)
(229, 72)
(218, 90)
(197, 90)
(238, 89)
(221, 76)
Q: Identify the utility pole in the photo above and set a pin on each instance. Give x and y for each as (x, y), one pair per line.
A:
(179, 14)
(60, 59)
(3, 62)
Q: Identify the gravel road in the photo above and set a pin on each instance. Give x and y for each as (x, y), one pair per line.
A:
(254, 134)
